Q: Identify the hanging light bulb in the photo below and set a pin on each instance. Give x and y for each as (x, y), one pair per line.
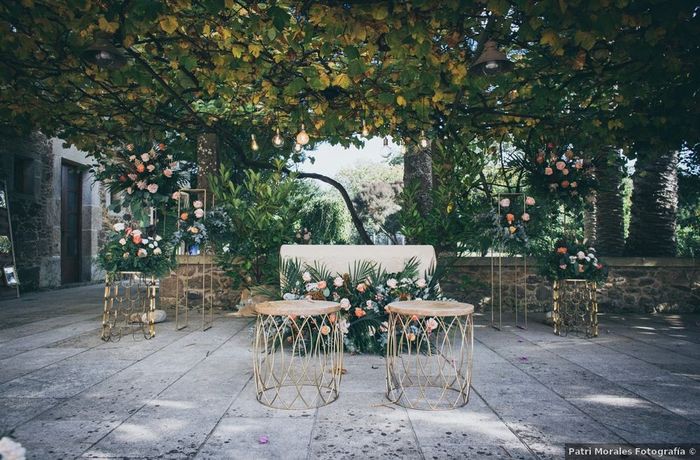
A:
(386, 142)
(423, 141)
(302, 137)
(365, 130)
(297, 147)
(277, 139)
(253, 143)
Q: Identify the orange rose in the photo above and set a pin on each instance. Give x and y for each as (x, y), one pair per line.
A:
(325, 330)
(136, 239)
(510, 217)
(360, 312)
(184, 216)
(561, 250)
(140, 167)
(161, 147)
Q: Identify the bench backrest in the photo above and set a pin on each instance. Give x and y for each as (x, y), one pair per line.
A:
(338, 258)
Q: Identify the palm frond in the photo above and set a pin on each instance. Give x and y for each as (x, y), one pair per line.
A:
(362, 270)
(319, 271)
(290, 269)
(410, 270)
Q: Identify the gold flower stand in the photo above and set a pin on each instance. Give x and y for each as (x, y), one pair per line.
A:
(575, 307)
(196, 292)
(298, 354)
(429, 354)
(129, 305)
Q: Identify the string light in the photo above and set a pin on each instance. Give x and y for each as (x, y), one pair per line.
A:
(423, 140)
(277, 139)
(386, 142)
(253, 143)
(302, 137)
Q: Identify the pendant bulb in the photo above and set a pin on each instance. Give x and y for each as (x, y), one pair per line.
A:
(365, 130)
(277, 139)
(253, 143)
(423, 140)
(302, 137)
(386, 142)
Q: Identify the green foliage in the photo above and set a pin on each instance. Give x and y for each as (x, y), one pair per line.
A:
(323, 214)
(363, 292)
(688, 224)
(130, 249)
(572, 260)
(254, 219)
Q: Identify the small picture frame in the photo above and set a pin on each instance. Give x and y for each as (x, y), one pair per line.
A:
(3, 200)
(5, 245)
(11, 276)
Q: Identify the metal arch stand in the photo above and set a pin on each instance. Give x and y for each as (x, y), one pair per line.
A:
(207, 273)
(497, 276)
(137, 297)
(575, 307)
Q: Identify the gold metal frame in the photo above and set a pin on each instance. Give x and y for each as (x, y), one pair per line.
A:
(207, 289)
(497, 275)
(127, 294)
(294, 366)
(575, 307)
(429, 368)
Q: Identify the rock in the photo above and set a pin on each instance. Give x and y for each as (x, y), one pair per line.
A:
(158, 316)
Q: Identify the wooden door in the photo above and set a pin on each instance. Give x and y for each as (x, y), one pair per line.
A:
(71, 195)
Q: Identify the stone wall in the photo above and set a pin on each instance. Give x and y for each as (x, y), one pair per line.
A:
(635, 284)
(190, 272)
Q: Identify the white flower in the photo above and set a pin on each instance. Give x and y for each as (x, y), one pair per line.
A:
(505, 202)
(343, 326)
(431, 324)
(197, 204)
(132, 157)
(572, 259)
(150, 168)
(145, 157)
(151, 246)
(345, 303)
(158, 237)
(372, 331)
(122, 241)
(384, 326)
(136, 233)
(126, 255)
(392, 283)
(591, 255)
(581, 255)
(306, 276)
(226, 247)
(157, 251)
(338, 281)
(11, 450)
(199, 213)
(369, 304)
(311, 286)
(421, 283)
(144, 241)
(119, 227)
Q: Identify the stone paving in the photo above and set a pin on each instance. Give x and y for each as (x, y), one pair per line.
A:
(188, 394)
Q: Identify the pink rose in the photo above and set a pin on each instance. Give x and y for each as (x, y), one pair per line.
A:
(168, 173)
(530, 201)
(176, 195)
(525, 217)
(142, 253)
(150, 168)
(145, 157)
(321, 284)
(153, 188)
(565, 171)
(338, 281)
(141, 184)
(560, 165)
(548, 171)
(199, 213)
(197, 204)
(362, 287)
(431, 324)
(505, 202)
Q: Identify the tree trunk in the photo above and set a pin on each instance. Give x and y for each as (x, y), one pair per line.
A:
(654, 206)
(590, 222)
(418, 169)
(610, 224)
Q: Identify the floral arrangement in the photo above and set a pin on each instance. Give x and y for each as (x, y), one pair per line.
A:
(191, 229)
(11, 450)
(560, 172)
(130, 249)
(511, 220)
(363, 294)
(148, 176)
(573, 261)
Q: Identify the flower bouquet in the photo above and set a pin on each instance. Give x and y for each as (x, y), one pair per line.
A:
(363, 294)
(511, 219)
(191, 229)
(130, 249)
(561, 173)
(573, 261)
(148, 177)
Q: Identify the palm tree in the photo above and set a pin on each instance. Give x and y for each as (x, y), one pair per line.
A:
(609, 222)
(654, 206)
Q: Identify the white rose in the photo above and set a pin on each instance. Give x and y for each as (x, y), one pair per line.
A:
(306, 276)
(151, 246)
(369, 304)
(338, 281)
(199, 213)
(145, 157)
(119, 227)
(392, 283)
(158, 237)
(122, 241)
(197, 204)
(157, 251)
(581, 255)
(421, 283)
(144, 241)
(345, 304)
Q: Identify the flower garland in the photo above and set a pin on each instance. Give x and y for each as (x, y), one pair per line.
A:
(191, 228)
(148, 179)
(363, 295)
(559, 172)
(573, 261)
(130, 249)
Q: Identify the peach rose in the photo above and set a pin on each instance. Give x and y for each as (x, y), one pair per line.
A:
(560, 165)
(362, 287)
(176, 196)
(136, 238)
(167, 172)
(325, 330)
(321, 284)
(548, 171)
(359, 312)
(525, 217)
(140, 167)
(574, 184)
(184, 216)
(510, 217)
(565, 171)
(530, 201)
(153, 188)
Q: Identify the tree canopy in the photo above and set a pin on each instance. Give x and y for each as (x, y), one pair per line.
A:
(613, 72)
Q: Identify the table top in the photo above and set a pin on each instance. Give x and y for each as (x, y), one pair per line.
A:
(296, 307)
(430, 308)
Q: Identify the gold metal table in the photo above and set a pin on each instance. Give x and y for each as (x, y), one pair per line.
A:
(429, 354)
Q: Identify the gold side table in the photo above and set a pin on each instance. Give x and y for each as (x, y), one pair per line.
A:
(129, 305)
(429, 354)
(575, 307)
(298, 353)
